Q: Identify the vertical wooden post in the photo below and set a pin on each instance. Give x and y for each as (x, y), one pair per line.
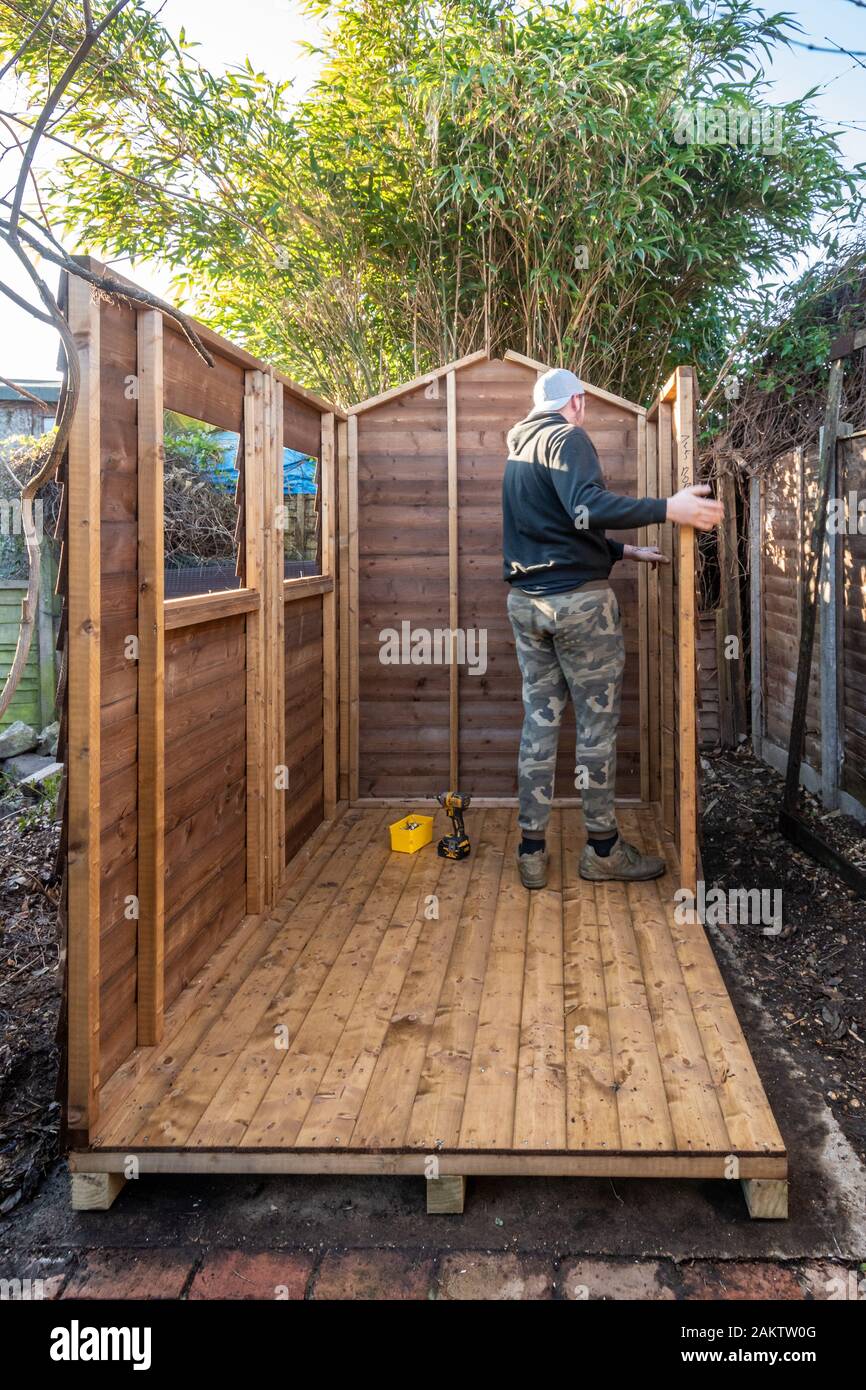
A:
(254, 449)
(731, 607)
(831, 585)
(353, 633)
(643, 610)
(151, 682)
(83, 715)
(653, 634)
(686, 433)
(756, 612)
(809, 585)
(342, 472)
(666, 626)
(453, 582)
(275, 638)
(727, 724)
(268, 523)
(329, 615)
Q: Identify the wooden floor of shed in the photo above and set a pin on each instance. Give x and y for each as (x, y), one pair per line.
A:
(399, 1006)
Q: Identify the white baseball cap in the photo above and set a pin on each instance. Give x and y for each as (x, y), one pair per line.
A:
(555, 389)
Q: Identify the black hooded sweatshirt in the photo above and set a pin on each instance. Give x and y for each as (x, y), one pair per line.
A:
(555, 508)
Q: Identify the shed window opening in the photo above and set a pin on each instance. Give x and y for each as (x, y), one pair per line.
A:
(301, 528)
(201, 490)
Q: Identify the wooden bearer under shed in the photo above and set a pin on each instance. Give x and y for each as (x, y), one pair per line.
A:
(293, 997)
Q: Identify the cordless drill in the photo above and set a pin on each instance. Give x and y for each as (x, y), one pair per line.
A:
(456, 845)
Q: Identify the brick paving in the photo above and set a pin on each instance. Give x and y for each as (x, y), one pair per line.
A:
(385, 1274)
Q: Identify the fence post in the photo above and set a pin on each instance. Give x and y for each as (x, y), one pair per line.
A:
(811, 577)
(756, 614)
(733, 718)
(831, 646)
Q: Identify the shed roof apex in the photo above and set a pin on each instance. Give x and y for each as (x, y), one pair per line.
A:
(482, 356)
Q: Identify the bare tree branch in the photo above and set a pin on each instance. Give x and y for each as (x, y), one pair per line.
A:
(92, 36)
(24, 234)
(22, 391)
(22, 48)
(107, 285)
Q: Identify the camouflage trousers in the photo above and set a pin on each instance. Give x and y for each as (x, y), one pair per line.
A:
(568, 644)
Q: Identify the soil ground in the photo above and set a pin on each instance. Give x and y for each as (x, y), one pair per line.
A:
(811, 977)
(29, 996)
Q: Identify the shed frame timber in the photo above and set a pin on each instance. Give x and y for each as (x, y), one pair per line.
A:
(104, 550)
(222, 827)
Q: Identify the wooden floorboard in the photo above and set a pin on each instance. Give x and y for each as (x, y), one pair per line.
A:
(488, 1112)
(398, 1004)
(438, 1104)
(539, 1107)
(592, 1119)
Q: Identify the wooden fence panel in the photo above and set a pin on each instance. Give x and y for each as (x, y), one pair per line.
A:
(853, 664)
(781, 528)
(33, 701)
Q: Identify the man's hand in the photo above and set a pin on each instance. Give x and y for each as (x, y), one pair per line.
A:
(688, 507)
(648, 554)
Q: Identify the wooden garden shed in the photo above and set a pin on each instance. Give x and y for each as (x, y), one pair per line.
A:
(256, 983)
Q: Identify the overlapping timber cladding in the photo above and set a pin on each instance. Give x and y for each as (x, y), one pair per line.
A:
(176, 739)
(289, 995)
(782, 516)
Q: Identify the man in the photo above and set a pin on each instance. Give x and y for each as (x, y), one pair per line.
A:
(566, 618)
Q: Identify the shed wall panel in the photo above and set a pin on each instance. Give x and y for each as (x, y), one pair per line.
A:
(205, 792)
(403, 579)
(304, 726)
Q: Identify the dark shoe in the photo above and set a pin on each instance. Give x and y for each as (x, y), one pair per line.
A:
(533, 869)
(624, 864)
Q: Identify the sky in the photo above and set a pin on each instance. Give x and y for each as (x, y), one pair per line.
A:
(270, 33)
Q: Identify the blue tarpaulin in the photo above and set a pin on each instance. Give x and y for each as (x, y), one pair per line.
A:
(299, 470)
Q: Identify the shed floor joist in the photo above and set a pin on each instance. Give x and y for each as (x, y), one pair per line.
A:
(400, 1008)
